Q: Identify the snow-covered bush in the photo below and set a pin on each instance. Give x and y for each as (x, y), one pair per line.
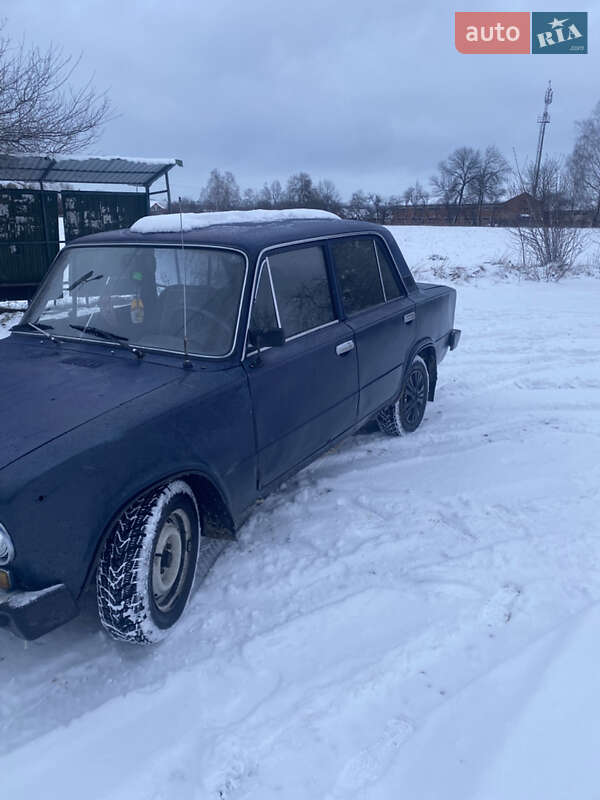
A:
(547, 251)
(441, 268)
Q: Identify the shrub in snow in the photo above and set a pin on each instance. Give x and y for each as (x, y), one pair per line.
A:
(547, 251)
(440, 268)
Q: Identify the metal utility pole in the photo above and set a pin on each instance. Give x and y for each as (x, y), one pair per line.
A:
(543, 120)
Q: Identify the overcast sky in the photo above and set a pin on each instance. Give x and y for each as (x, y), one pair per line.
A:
(368, 94)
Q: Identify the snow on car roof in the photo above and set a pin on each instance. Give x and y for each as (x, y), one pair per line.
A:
(172, 223)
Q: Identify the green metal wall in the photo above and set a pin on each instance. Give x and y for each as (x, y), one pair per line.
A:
(24, 254)
(93, 212)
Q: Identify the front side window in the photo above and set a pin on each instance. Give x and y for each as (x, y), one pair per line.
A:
(146, 296)
(301, 289)
(358, 274)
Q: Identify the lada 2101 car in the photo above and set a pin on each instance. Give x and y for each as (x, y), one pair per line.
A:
(167, 376)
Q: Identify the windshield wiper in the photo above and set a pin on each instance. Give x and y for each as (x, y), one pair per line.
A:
(113, 337)
(89, 276)
(39, 327)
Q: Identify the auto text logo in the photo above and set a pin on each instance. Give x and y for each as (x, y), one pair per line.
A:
(520, 32)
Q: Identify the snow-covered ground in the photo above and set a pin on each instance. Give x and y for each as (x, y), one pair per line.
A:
(414, 618)
(8, 319)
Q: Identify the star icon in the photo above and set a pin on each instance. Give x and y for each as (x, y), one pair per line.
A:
(557, 23)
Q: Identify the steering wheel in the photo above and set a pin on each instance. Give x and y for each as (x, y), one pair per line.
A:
(177, 319)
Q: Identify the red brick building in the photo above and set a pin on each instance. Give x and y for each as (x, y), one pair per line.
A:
(518, 210)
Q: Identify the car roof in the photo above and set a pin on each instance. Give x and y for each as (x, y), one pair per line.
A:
(251, 238)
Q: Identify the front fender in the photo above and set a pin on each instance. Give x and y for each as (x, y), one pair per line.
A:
(59, 501)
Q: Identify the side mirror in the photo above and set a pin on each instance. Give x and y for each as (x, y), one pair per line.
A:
(274, 337)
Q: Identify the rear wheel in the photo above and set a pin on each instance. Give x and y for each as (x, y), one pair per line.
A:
(147, 567)
(406, 414)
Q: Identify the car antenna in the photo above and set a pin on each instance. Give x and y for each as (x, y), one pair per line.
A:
(187, 364)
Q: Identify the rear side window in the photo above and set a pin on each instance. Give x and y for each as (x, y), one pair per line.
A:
(388, 273)
(301, 289)
(358, 274)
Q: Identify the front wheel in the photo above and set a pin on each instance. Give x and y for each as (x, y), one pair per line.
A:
(147, 567)
(406, 414)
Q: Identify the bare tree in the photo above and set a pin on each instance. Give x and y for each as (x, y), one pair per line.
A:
(40, 111)
(585, 162)
(358, 207)
(270, 196)
(414, 196)
(548, 246)
(444, 186)
(277, 194)
(421, 195)
(489, 182)
(250, 199)
(380, 210)
(300, 191)
(551, 192)
(453, 183)
(221, 192)
(264, 198)
(327, 197)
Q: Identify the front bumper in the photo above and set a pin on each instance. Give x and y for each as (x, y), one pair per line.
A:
(32, 614)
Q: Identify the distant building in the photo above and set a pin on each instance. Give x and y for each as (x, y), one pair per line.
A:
(517, 210)
(158, 208)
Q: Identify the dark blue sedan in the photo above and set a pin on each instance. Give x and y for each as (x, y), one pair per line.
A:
(168, 376)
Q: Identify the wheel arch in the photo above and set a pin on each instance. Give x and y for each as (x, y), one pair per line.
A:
(426, 349)
(215, 516)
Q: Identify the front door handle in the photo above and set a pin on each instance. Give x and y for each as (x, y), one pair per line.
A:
(344, 347)
(410, 317)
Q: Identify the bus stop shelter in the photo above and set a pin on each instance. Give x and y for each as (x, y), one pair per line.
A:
(31, 226)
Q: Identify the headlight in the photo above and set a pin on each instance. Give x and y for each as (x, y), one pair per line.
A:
(7, 549)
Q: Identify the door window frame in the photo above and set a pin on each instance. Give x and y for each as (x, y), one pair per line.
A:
(402, 291)
(333, 282)
(265, 264)
(396, 276)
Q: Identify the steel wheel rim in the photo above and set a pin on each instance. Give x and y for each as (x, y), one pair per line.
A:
(413, 398)
(170, 563)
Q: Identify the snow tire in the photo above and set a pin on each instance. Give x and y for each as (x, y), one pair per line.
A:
(406, 414)
(147, 567)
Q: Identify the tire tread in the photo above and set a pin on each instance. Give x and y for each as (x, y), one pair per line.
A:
(120, 606)
(389, 418)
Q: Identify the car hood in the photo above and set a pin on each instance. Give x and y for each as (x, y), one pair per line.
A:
(48, 389)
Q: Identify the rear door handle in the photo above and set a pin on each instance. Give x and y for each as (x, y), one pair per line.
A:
(410, 317)
(344, 347)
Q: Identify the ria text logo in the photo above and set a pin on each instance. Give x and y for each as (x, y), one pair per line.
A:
(564, 32)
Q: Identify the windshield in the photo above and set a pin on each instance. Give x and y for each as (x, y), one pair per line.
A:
(136, 295)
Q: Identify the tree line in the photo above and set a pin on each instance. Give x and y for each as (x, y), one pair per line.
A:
(469, 176)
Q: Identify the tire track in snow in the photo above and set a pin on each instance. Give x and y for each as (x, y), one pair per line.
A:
(448, 551)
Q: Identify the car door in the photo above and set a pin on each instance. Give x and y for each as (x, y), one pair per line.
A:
(304, 393)
(380, 313)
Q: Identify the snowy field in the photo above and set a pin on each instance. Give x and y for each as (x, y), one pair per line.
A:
(438, 251)
(415, 618)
